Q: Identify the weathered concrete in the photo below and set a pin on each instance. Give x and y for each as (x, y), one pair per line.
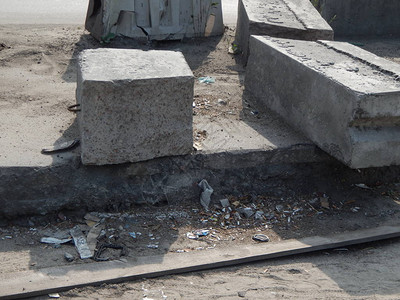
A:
(292, 19)
(135, 105)
(154, 19)
(362, 17)
(344, 99)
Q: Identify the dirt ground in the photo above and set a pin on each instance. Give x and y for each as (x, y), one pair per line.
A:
(30, 58)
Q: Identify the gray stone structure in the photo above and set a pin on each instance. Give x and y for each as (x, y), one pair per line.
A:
(292, 19)
(135, 105)
(343, 98)
(362, 17)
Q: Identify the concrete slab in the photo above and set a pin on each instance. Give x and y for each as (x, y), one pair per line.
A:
(135, 105)
(55, 12)
(155, 19)
(362, 18)
(292, 19)
(343, 98)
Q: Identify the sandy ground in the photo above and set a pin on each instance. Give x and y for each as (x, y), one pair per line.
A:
(37, 75)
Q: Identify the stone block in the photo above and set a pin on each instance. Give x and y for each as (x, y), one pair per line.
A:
(292, 19)
(343, 98)
(355, 18)
(154, 19)
(135, 105)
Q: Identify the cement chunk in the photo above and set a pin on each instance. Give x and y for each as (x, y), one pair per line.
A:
(135, 105)
(292, 19)
(344, 99)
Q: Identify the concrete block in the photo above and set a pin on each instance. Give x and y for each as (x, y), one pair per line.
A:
(343, 98)
(154, 19)
(292, 19)
(135, 105)
(362, 17)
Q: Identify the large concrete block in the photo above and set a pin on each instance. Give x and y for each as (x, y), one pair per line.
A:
(135, 105)
(362, 17)
(154, 19)
(343, 98)
(292, 19)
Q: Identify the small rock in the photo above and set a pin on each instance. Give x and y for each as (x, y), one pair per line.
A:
(259, 215)
(222, 102)
(242, 294)
(68, 257)
(224, 203)
(248, 212)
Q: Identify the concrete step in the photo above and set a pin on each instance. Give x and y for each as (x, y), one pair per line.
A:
(292, 19)
(345, 99)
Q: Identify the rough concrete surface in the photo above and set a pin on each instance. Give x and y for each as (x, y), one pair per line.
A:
(279, 18)
(135, 105)
(362, 17)
(343, 98)
(154, 19)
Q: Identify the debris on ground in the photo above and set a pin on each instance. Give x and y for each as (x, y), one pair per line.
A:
(206, 79)
(69, 257)
(363, 186)
(260, 238)
(81, 243)
(205, 197)
(65, 146)
(51, 240)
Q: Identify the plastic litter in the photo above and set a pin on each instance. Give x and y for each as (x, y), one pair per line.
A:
(80, 243)
(60, 147)
(133, 234)
(51, 240)
(260, 238)
(206, 79)
(196, 234)
(54, 295)
(205, 197)
(363, 186)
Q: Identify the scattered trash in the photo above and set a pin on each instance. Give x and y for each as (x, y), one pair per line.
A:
(133, 234)
(51, 240)
(74, 107)
(254, 112)
(92, 236)
(196, 234)
(69, 257)
(152, 246)
(97, 255)
(279, 208)
(80, 243)
(355, 209)
(224, 203)
(260, 238)
(9, 237)
(206, 79)
(233, 49)
(324, 202)
(205, 197)
(60, 147)
(54, 295)
(363, 186)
